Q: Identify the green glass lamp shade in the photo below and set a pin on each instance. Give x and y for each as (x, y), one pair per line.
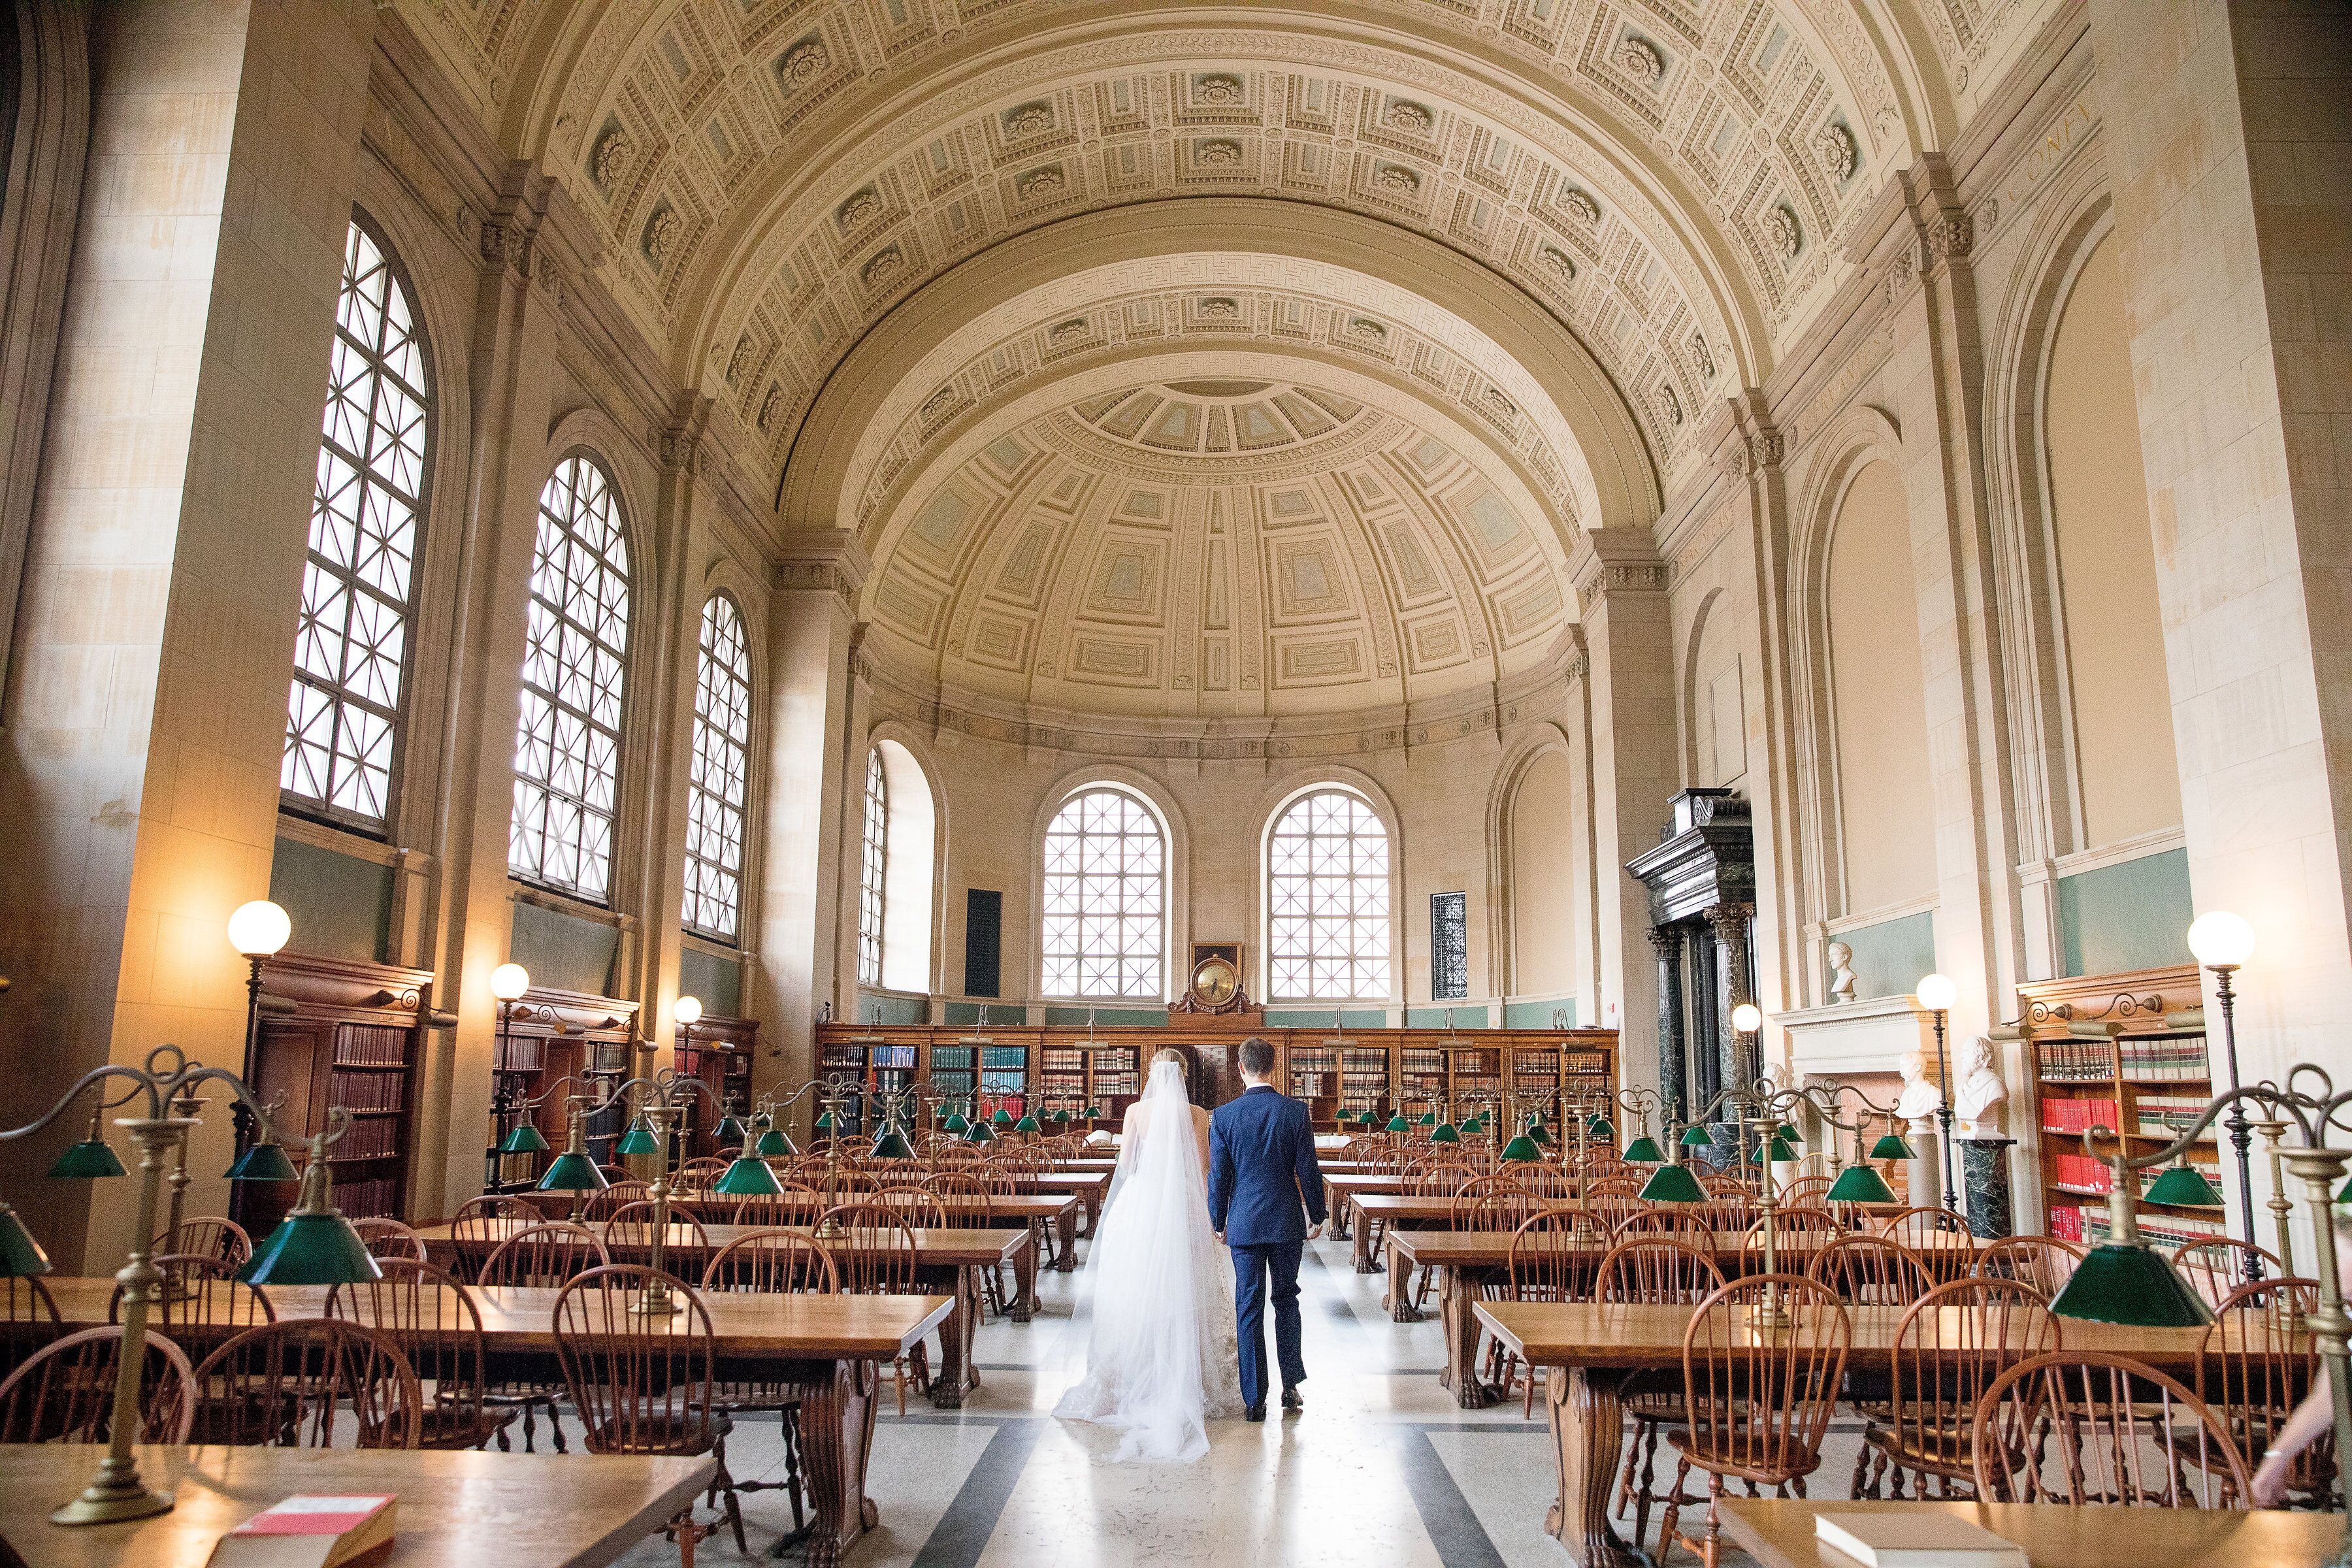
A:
(1444, 1132)
(1696, 1136)
(1397, 1123)
(1062, 1116)
(573, 1172)
(638, 1139)
(1788, 1129)
(1429, 1118)
(87, 1161)
(2121, 1283)
(1027, 1124)
(1674, 1184)
(772, 1145)
(267, 1163)
(1600, 1129)
(729, 1131)
(2184, 1185)
(825, 1122)
(1859, 1184)
(1540, 1132)
(1094, 1113)
(1644, 1151)
(762, 1121)
(890, 1145)
(980, 1132)
(1522, 1148)
(2343, 1193)
(310, 1249)
(20, 1255)
(955, 1126)
(1781, 1151)
(1892, 1146)
(748, 1176)
(523, 1140)
(1002, 1118)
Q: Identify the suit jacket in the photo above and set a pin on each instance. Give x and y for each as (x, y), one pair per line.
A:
(1262, 1169)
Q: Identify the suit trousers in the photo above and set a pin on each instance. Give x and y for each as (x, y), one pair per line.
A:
(1252, 1267)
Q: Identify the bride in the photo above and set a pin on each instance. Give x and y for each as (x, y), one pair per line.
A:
(1162, 1357)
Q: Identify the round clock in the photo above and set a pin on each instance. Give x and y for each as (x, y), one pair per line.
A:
(1215, 982)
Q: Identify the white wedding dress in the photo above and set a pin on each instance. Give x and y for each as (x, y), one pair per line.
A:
(1162, 1356)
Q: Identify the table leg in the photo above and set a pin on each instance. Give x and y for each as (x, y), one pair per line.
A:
(1090, 1197)
(1400, 1296)
(1365, 1263)
(1065, 1229)
(1588, 1420)
(836, 1441)
(1457, 1302)
(1025, 1282)
(1336, 1207)
(956, 1374)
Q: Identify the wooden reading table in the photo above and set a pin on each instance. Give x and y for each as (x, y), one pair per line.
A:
(1032, 1212)
(1780, 1533)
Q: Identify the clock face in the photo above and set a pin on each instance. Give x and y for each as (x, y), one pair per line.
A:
(1214, 981)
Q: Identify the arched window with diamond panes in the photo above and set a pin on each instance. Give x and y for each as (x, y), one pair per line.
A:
(873, 871)
(1327, 900)
(568, 737)
(1106, 898)
(722, 765)
(351, 649)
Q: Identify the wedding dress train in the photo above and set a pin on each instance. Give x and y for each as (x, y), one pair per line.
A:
(1162, 1355)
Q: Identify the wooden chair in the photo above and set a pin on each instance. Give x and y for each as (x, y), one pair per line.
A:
(2251, 1377)
(921, 1207)
(64, 1392)
(1670, 1222)
(208, 1236)
(2217, 1266)
(389, 1239)
(779, 1261)
(434, 1322)
(1907, 1225)
(1807, 1191)
(1870, 1271)
(2044, 1262)
(620, 1195)
(644, 1385)
(544, 1255)
(968, 1205)
(477, 1228)
(1613, 1209)
(1758, 1405)
(1655, 1270)
(1728, 1213)
(1800, 1231)
(200, 1298)
(282, 1385)
(28, 1319)
(1552, 1256)
(696, 1174)
(632, 1224)
(876, 1256)
(1948, 1348)
(1487, 1205)
(796, 1204)
(2090, 1427)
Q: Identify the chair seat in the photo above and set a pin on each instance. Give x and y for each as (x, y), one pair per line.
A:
(1665, 1407)
(1709, 1458)
(451, 1425)
(680, 1433)
(1945, 1451)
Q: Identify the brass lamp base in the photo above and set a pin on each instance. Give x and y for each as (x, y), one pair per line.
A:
(103, 1502)
(656, 1304)
(1768, 1315)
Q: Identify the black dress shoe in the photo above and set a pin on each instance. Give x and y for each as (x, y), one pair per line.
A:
(1254, 1412)
(1291, 1400)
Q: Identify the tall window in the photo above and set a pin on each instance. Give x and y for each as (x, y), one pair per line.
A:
(1327, 900)
(568, 741)
(872, 868)
(1106, 879)
(715, 792)
(342, 718)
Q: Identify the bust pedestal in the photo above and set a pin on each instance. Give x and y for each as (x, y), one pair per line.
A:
(1984, 1185)
(1924, 1171)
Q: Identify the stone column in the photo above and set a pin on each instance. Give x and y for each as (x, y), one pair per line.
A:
(1629, 645)
(1666, 941)
(1984, 1185)
(163, 563)
(1730, 922)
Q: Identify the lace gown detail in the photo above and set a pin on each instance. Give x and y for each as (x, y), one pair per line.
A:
(1162, 1355)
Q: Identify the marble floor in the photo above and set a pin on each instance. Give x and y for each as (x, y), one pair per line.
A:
(1380, 1468)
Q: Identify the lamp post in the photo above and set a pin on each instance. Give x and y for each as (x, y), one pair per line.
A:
(670, 1093)
(1747, 1018)
(509, 982)
(1936, 993)
(313, 1244)
(2222, 943)
(256, 930)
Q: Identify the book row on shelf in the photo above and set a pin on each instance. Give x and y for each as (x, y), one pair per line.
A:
(2170, 1059)
(370, 1138)
(368, 1090)
(2089, 1227)
(366, 1045)
(368, 1198)
(2168, 1116)
(2080, 1173)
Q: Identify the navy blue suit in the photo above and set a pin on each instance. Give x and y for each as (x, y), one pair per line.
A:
(1263, 1186)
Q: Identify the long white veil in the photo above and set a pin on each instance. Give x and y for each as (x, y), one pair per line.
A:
(1159, 1358)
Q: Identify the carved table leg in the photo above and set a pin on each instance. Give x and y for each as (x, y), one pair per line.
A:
(1457, 1302)
(1090, 1198)
(1586, 1427)
(956, 1375)
(1365, 1262)
(1400, 1298)
(1025, 1282)
(836, 1439)
(1065, 1227)
(1336, 1207)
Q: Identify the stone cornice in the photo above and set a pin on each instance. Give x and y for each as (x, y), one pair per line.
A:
(1616, 560)
(827, 561)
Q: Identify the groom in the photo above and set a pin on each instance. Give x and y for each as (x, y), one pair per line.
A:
(1262, 1171)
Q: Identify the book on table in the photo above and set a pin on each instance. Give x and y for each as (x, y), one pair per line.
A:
(1929, 1539)
(309, 1532)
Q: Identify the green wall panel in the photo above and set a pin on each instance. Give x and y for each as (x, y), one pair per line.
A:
(566, 951)
(340, 905)
(1537, 1014)
(717, 981)
(1434, 1017)
(1890, 957)
(2131, 916)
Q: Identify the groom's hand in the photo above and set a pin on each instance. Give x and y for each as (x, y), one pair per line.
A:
(1220, 1236)
(1315, 1231)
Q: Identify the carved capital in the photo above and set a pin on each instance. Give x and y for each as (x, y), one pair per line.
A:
(1730, 920)
(504, 244)
(1766, 448)
(679, 449)
(1666, 941)
(1901, 273)
(1949, 236)
(823, 561)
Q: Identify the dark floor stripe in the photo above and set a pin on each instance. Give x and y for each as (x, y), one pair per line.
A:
(962, 1532)
(1453, 1530)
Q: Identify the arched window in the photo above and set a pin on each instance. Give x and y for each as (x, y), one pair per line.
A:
(1106, 896)
(1327, 900)
(722, 761)
(568, 738)
(873, 867)
(350, 650)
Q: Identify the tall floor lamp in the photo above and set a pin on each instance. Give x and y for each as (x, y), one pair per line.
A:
(2222, 943)
(1937, 993)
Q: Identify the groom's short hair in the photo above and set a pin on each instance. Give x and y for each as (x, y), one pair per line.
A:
(1258, 1057)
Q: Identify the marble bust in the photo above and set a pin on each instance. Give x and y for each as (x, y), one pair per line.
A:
(1841, 977)
(1980, 1100)
(1920, 1098)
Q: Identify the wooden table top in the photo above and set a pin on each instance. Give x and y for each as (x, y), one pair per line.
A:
(466, 1509)
(1582, 1333)
(797, 1326)
(1780, 1533)
(1487, 1248)
(940, 1247)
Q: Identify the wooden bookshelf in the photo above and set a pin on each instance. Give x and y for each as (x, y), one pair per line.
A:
(721, 1055)
(551, 1035)
(2127, 1051)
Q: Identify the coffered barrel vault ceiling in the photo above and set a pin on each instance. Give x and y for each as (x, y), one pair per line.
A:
(1666, 185)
